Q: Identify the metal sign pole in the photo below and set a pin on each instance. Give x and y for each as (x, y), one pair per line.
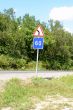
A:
(37, 57)
(38, 43)
(37, 62)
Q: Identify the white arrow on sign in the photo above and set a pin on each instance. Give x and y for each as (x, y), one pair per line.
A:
(38, 32)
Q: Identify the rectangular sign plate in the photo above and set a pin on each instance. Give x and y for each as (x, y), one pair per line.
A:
(38, 42)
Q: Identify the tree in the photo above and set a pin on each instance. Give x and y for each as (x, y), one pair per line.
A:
(10, 13)
(16, 40)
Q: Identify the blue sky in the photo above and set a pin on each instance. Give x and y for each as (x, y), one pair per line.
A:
(43, 10)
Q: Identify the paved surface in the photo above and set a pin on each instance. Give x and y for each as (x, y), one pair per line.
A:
(6, 75)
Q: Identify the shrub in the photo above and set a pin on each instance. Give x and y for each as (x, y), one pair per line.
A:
(4, 61)
(7, 62)
(21, 63)
(31, 65)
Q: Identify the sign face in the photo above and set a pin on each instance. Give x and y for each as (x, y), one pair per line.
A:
(38, 43)
(38, 32)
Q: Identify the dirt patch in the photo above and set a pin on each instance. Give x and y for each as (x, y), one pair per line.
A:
(55, 103)
(26, 82)
(2, 85)
(7, 108)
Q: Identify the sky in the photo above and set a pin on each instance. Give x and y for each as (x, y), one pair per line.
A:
(43, 10)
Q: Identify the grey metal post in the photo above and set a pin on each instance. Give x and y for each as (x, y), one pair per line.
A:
(37, 62)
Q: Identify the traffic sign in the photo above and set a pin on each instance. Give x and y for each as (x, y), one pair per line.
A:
(38, 32)
(38, 42)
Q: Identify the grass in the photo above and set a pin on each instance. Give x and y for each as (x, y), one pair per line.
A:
(22, 95)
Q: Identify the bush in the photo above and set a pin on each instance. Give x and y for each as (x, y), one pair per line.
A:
(21, 63)
(31, 65)
(7, 62)
(46, 65)
(4, 61)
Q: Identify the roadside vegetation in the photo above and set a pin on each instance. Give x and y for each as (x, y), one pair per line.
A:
(16, 40)
(23, 95)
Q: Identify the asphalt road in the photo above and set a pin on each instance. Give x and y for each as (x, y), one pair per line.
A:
(6, 75)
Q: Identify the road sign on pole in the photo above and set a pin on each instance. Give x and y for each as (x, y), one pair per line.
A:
(38, 32)
(38, 41)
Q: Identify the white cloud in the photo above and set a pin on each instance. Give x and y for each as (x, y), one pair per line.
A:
(61, 13)
(14, 10)
(68, 29)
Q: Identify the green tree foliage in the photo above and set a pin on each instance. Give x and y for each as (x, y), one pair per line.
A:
(57, 46)
(16, 40)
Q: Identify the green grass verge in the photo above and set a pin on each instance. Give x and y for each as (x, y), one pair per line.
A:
(22, 95)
